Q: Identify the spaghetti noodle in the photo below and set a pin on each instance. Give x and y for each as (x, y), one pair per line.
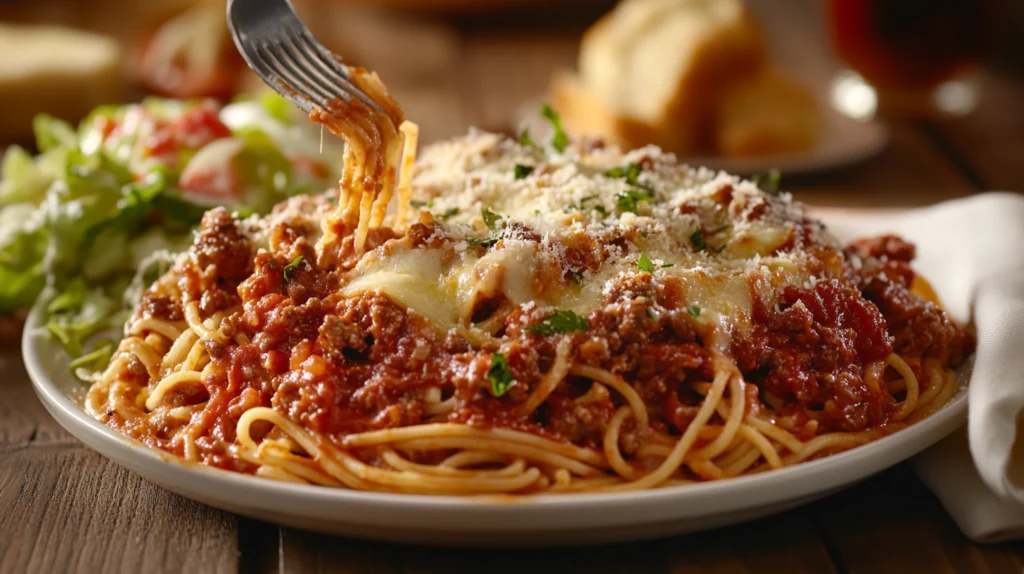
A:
(535, 321)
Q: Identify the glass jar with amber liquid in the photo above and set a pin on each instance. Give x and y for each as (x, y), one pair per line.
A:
(907, 57)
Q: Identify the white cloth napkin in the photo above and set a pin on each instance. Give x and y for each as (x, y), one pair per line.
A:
(972, 251)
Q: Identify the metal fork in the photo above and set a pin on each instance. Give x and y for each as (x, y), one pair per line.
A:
(283, 52)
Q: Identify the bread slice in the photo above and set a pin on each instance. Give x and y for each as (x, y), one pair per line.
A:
(767, 113)
(59, 71)
(657, 67)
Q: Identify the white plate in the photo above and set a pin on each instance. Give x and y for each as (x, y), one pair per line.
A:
(446, 520)
(844, 142)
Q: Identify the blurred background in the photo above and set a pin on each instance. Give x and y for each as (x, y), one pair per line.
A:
(457, 63)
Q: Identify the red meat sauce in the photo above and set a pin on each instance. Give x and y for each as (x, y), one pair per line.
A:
(810, 351)
(339, 366)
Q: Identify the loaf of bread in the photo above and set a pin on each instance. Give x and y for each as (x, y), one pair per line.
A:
(767, 113)
(680, 74)
(60, 71)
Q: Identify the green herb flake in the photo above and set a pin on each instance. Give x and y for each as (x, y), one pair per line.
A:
(491, 219)
(482, 241)
(448, 214)
(521, 171)
(499, 375)
(291, 267)
(526, 141)
(628, 201)
(768, 182)
(577, 277)
(644, 263)
(652, 313)
(667, 265)
(417, 204)
(560, 139)
(697, 239)
(693, 310)
(601, 209)
(560, 322)
(629, 172)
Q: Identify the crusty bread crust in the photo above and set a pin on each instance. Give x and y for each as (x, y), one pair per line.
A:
(713, 106)
(768, 113)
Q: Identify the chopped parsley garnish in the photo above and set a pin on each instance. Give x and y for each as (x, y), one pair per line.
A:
(652, 313)
(448, 214)
(577, 277)
(693, 310)
(768, 182)
(667, 265)
(525, 140)
(644, 263)
(522, 171)
(491, 219)
(697, 239)
(720, 249)
(601, 209)
(628, 201)
(499, 375)
(291, 267)
(421, 204)
(560, 322)
(482, 241)
(630, 172)
(560, 139)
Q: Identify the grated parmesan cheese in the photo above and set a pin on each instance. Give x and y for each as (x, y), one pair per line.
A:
(713, 233)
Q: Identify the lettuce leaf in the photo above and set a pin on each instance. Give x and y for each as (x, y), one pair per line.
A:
(20, 288)
(79, 312)
(78, 219)
(52, 133)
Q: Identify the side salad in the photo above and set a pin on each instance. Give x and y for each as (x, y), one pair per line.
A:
(100, 203)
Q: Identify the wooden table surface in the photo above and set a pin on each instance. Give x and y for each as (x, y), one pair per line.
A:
(65, 508)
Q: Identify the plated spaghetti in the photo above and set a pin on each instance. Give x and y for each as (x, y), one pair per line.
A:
(556, 318)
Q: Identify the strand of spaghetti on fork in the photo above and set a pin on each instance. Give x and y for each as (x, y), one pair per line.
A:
(380, 150)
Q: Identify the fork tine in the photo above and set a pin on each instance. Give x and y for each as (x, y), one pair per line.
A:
(328, 66)
(301, 64)
(277, 78)
(294, 78)
(282, 50)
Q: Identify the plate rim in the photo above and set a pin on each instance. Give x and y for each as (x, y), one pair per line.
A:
(578, 511)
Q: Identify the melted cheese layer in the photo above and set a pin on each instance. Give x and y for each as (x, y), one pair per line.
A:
(571, 235)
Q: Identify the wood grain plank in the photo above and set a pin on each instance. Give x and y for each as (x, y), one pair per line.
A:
(67, 509)
(310, 552)
(911, 172)
(259, 546)
(892, 523)
(303, 552)
(786, 543)
(23, 419)
(991, 140)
